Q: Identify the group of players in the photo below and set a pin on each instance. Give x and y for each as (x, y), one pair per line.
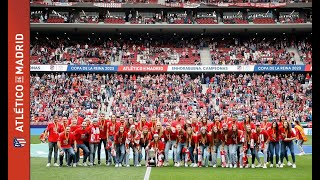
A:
(192, 139)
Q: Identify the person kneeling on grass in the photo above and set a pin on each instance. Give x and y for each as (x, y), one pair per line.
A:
(288, 136)
(64, 144)
(158, 147)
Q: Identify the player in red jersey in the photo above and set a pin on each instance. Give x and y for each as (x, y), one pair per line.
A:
(103, 135)
(195, 124)
(280, 123)
(81, 134)
(111, 130)
(76, 116)
(250, 141)
(217, 122)
(265, 125)
(94, 135)
(63, 124)
(216, 138)
(170, 138)
(132, 141)
(247, 120)
(235, 136)
(158, 146)
(64, 145)
(274, 135)
(226, 142)
(143, 122)
(158, 130)
(203, 142)
(180, 144)
(152, 124)
(263, 142)
(119, 145)
(145, 138)
(53, 130)
(204, 123)
(191, 144)
(179, 120)
(288, 136)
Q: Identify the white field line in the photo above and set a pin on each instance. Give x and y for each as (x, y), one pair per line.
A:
(147, 175)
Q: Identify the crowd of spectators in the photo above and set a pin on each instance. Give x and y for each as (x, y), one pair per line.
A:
(162, 50)
(252, 51)
(165, 95)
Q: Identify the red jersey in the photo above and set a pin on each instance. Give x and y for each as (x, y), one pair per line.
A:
(151, 125)
(132, 139)
(157, 145)
(79, 120)
(216, 137)
(265, 125)
(181, 136)
(262, 135)
(141, 124)
(103, 129)
(227, 137)
(73, 128)
(53, 129)
(62, 127)
(120, 124)
(81, 135)
(203, 140)
(120, 138)
(169, 135)
(298, 134)
(230, 124)
(176, 122)
(191, 140)
(195, 127)
(94, 134)
(207, 126)
(111, 128)
(287, 134)
(217, 124)
(236, 137)
(242, 126)
(66, 140)
(273, 136)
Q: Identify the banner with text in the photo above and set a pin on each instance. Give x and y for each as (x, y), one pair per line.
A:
(212, 68)
(278, 68)
(308, 68)
(92, 68)
(48, 68)
(143, 68)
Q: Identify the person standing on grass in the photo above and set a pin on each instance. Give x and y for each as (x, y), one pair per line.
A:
(263, 142)
(170, 137)
(112, 127)
(53, 130)
(65, 140)
(251, 139)
(274, 135)
(180, 144)
(225, 143)
(103, 135)
(132, 141)
(81, 135)
(288, 136)
(145, 138)
(119, 145)
(191, 144)
(300, 136)
(281, 121)
(216, 140)
(94, 135)
(203, 141)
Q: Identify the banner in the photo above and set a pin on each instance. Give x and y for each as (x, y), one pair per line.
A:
(40, 68)
(212, 68)
(92, 68)
(18, 89)
(108, 5)
(143, 68)
(308, 68)
(279, 68)
(257, 5)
